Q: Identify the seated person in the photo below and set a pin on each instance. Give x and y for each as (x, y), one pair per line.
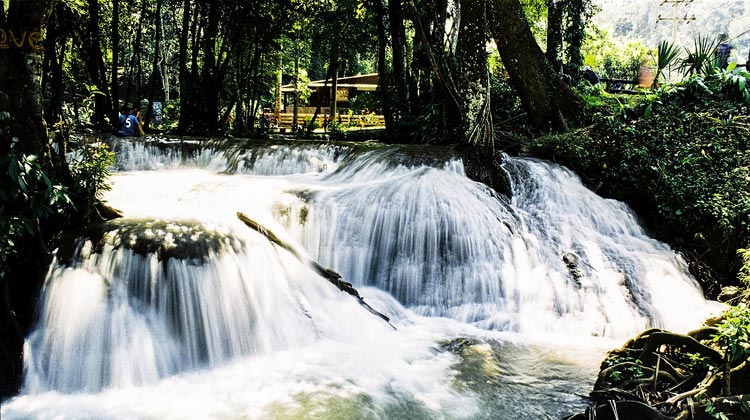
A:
(129, 125)
(589, 76)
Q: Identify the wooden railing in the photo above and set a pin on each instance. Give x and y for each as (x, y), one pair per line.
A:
(355, 120)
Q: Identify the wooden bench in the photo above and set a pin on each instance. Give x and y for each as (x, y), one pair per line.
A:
(619, 86)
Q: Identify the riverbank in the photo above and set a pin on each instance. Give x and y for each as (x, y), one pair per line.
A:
(681, 159)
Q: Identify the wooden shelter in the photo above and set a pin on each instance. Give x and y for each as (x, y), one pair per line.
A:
(347, 89)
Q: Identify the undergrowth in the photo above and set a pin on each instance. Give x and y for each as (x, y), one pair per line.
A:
(680, 156)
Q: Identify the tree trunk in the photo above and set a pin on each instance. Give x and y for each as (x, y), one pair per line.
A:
(554, 34)
(255, 96)
(154, 67)
(383, 80)
(95, 67)
(20, 78)
(115, 58)
(133, 65)
(334, 69)
(577, 15)
(52, 79)
(319, 104)
(208, 103)
(22, 130)
(277, 88)
(240, 128)
(184, 73)
(474, 79)
(139, 55)
(398, 50)
(296, 82)
(545, 97)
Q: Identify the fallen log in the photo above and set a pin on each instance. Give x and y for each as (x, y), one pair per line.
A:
(328, 274)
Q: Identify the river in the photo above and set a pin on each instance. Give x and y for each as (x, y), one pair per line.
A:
(503, 307)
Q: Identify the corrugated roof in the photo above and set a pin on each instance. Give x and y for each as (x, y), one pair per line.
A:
(361, 82)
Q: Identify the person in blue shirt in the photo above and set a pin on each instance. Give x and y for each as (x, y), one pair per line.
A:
(723, 51)
(129, 124)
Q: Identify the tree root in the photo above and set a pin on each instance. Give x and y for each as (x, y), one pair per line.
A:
(328, 274)
(734, 407)
(663, 338)
(678, 375)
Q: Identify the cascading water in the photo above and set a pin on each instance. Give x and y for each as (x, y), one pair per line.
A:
(444, 245)
(181, 311)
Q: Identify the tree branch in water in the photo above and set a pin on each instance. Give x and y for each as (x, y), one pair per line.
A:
(328, 274)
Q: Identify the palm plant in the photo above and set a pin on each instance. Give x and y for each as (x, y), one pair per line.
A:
(701, 60)
(666, 56)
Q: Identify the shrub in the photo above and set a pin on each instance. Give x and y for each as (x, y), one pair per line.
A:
(680, 156)
(27, 195)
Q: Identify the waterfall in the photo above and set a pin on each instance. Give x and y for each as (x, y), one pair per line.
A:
(152, 299)
(444, 245)
(181, 300)
(232, 156)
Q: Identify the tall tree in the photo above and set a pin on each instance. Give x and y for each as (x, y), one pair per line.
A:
(21, 113)
(474, 85)
(554, 33)
(22, 132)
(401, 77)
(577, 14)
(182, 58)
(155, 79)
(115, 58)
(545, 97)
(59, 29)
(94, 60)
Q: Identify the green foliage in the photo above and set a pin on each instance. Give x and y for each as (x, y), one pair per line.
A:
(315, 123)
(505, 103)
(612, 59)
(666, 57)
(680, 155)
(744, 273)
(27, 195)
(368, 101)
(91, 170)
(630, 368)
(337, 130)
(733, 333)
(577, 14)
(700, 60)
(740, 80)
(712, 411)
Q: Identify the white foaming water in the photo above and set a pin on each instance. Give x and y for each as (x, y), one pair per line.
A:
(444, 245)
(181, 311)
(165, 154)
(232, 156)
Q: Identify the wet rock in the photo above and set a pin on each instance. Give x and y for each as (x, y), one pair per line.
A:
(729, 293)
(185, 239)
(571, 261)
(458, 345)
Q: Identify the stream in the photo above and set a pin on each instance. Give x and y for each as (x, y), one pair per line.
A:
(503, 307)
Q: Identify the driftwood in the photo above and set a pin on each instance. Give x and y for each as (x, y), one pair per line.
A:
(328, 274)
